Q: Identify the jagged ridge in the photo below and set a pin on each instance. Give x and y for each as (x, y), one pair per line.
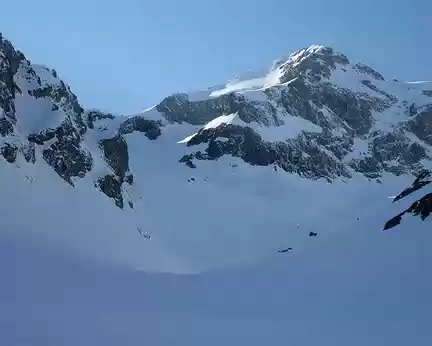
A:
(353, 122)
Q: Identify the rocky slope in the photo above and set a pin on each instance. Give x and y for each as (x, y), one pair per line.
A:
(315, 115)
(355, 121)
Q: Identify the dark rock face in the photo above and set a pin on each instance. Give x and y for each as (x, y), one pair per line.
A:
(373, 87)
(116, 154)
(6, 128)
(10, 60)
(188, 159)
(94, 116)
(62, 97)
(362, 68)
(151, 128)
(29, 153)
(42, 137)
(305, 159)
(178, 108)
(65, 155)
(421, 207)
(338, 146)
(356, 111)
(427, 93)
(9, 152)
(318, 65)
(412, 110)
(111, 187)
(421, 125)
(423, 179)
(393, 147)
(369, 166)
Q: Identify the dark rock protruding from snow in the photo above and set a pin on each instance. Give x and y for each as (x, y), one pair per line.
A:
(116, 154)
(245, 143)
(421, 207)
(151, 128)
(111, 187)
(362, 68)
(421, 125)
(65, 155)
(10, 60)
(423, 179)
(9, 152)
(6, 127)
(93, 116)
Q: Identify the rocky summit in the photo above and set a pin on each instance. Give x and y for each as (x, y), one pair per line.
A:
(316, 116)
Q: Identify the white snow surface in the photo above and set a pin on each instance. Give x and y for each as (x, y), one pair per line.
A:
(272, 78)
(247, 83)
(420, 82)
(223, 119)
(362, 287)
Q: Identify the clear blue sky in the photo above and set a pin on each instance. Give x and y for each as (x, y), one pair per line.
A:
(126, 55)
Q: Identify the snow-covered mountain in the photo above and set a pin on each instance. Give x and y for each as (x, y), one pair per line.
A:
(240, 169)
(285, 176)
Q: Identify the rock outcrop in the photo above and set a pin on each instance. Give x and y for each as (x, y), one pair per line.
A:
(421, 207)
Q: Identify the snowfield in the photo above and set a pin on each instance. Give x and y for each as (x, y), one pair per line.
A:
(361, 288)
(224, 213)
(83, 275)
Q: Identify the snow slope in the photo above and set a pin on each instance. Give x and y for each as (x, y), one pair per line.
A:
(361, 288)
(35, 203)
(229, 214)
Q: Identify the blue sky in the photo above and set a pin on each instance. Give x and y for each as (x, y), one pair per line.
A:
(127, 55)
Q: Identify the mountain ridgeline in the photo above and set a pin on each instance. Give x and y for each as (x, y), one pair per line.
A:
(315, 114)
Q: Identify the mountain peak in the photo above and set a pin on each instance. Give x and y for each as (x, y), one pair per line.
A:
(313, 116)
(304, 53)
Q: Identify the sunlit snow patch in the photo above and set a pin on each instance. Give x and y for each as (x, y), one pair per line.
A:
(187, 139)
(223, 119)
(272, 78)
(420, 82)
